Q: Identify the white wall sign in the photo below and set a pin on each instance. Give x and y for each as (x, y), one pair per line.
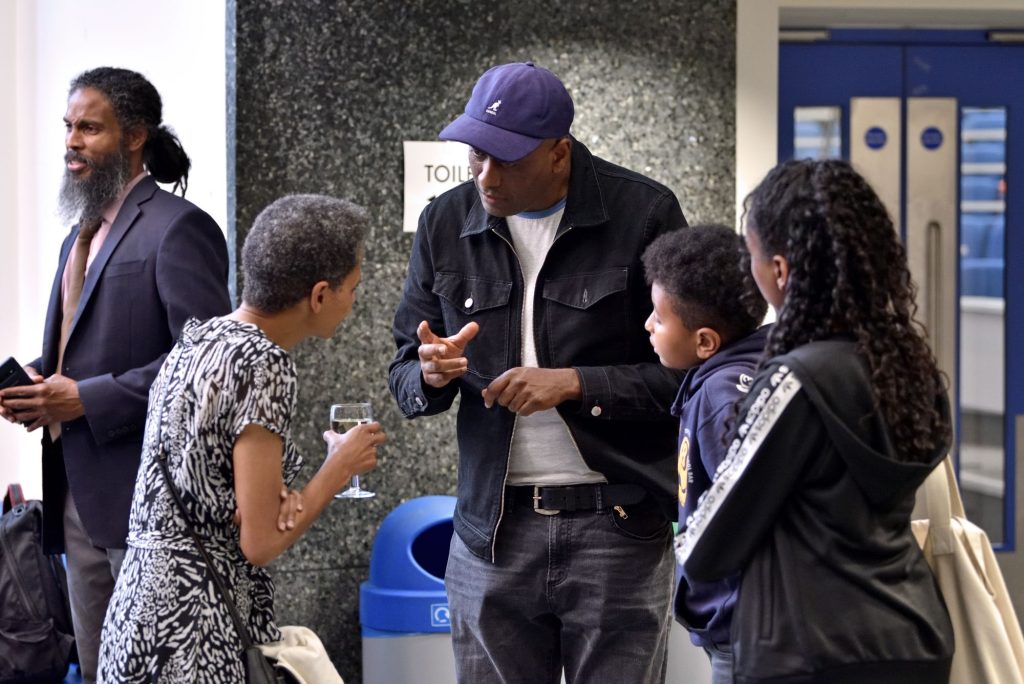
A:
(430, 169)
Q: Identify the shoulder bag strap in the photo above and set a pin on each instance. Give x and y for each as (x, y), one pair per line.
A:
(13, 497)
(243, 633)
(956, 504)
(941, 501)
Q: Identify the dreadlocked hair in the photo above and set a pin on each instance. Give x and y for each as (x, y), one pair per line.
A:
(848, 276)
(137, 104)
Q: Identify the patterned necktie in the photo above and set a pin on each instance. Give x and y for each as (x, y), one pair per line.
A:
(76, 281)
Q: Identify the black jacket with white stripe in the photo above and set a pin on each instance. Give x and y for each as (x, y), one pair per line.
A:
(813, 506)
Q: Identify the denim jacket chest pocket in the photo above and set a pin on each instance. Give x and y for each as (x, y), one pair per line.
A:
(471, 298)
(586, 318)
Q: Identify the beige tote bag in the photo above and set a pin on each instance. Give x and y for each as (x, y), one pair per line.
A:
(302, 653)
(989, 645)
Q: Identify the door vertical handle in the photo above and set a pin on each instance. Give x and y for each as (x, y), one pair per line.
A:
(933, 280)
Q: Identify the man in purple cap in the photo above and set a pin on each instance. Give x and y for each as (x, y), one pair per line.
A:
(526, 296)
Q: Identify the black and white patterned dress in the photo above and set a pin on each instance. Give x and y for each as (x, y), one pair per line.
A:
(166, 621)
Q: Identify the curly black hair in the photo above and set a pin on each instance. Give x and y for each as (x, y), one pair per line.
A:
(137, 104)
(848, 275)
(700, 269)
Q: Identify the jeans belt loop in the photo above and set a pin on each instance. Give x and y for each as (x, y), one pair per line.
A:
(536, 503)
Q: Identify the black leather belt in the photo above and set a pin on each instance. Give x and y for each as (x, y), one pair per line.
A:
(588, 497)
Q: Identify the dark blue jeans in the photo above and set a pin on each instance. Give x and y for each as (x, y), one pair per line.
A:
(570, 590)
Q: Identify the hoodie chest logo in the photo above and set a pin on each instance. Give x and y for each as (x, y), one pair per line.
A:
(745, 383)
(683, 465)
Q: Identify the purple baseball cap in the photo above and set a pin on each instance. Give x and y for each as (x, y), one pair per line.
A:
(512, 109)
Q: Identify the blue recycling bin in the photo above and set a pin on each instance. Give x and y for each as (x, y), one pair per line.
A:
(403, 608)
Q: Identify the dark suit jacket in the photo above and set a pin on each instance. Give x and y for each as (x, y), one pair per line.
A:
(163, 261)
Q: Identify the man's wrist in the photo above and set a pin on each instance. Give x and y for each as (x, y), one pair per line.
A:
(573, 387)
(429, 390)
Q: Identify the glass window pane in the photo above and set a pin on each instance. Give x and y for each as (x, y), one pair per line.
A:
(982, 316)
(817, 132)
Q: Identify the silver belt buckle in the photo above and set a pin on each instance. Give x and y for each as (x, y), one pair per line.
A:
(536, 504)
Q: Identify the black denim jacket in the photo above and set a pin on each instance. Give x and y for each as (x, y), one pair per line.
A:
(589, 312)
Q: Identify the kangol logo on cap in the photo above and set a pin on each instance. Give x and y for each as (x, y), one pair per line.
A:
(493, 109)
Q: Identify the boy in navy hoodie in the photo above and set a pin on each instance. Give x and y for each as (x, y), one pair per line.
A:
(707, 310)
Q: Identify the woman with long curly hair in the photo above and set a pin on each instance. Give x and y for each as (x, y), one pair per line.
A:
(847, 416)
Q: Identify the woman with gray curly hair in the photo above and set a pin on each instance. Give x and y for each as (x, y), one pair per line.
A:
(219, 419)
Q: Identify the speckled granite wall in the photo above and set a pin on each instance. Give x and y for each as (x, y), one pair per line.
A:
(326, 94)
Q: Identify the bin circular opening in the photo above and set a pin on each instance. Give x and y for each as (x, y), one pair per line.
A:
(430, 548)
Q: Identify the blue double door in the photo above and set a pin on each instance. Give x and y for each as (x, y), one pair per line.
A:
(935, 121)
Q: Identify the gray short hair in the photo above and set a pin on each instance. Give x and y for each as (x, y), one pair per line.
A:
(295, 243)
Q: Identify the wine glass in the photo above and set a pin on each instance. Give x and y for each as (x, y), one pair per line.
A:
(344, 417)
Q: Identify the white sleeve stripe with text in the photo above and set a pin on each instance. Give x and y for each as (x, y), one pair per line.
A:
(758, 422)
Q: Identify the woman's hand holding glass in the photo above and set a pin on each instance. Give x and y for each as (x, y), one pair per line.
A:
(353, 453)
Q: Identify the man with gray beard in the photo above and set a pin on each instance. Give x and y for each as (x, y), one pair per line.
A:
(84, 197)
(138, 263)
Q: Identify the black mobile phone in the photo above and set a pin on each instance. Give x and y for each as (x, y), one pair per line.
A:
(12, 374)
